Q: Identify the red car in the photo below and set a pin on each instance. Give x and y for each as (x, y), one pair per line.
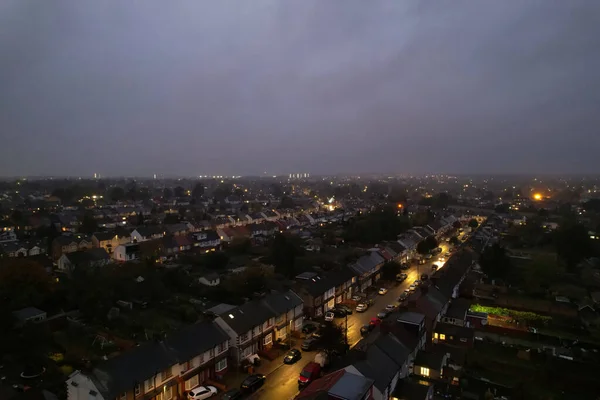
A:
(311, 371)
(375, 321)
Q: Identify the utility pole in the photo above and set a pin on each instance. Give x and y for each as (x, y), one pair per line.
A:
(346, 330)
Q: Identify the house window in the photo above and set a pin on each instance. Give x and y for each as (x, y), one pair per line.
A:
(243, 337)
(436, 336)
(211, 353)
(191, 383)
(221, 365)
(268, 339)
(166, 374)
(222, 347)
(138, 390)
(149, 384)
(442, 336)
(280, 319)
(425, 371)
(165, 394)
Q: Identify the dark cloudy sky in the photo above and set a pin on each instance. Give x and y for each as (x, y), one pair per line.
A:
(324, 86)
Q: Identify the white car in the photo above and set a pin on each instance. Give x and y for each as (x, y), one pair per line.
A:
(412, 287)
(356, 298)
(202, 392)
(390, 307)
(417, 283)
(329, 316)
(382, 291)
(361, 308)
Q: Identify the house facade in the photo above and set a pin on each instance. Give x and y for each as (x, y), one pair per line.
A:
(126, 252)
(160, 370)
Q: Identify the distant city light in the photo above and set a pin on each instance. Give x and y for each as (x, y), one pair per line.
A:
(537, 196)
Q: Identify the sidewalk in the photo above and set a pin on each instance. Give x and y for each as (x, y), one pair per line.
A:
(234, 377)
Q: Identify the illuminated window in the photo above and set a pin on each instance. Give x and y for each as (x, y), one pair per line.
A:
(442, 336)
(436, 336)
(425, 371)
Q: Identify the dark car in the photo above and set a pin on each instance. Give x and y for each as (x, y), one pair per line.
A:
(252, 383)
(338, 312)
(345, 308)
(233, 394)
(403, 297)
(383, 314)
(292, 356)
(309, 328)
(404, 266)
(365, 329)
(309, 343)
(434, 267)
(424, 277)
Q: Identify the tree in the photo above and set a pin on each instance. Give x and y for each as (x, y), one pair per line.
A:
(377, 226)
(389, 270)
(540, 273)
(167, 193)
(426, 245)
(117, 193)
(198, 191)
(572, 244)
(473, 223)
(283, 255)
(179, 192)
(171, 219)
(287, 202)
(333, 337)
(495, 263)
(23, 283)
(88, 223)
(502, 208)
(216, 260)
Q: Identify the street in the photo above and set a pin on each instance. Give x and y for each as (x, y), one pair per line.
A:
(282, 383)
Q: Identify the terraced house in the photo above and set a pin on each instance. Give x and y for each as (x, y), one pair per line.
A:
(160, 370)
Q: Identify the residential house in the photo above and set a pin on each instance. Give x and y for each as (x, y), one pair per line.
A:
(108, 240)
(143, 233)
(211, 279)
(207, 239)
(27, 248)
(453, 335)
(339, 385)
(127, 252)
(30, 314)
(413, 389)
(255, 325)
(160, 370)
(174, 244)
(400, 250)
(8, 235)
(97, 257)
(368, 267)
(249, 326)
(69, 243)
(414, 323)
(320, 293)
(432, 303)
(430, 364)
(457, 312)
(177, 229)
(438, 228)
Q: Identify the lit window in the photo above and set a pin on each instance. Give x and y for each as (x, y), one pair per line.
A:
(435, 336)
(442, 336)
(425, 371)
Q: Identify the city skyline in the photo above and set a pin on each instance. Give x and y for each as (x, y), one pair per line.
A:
(490, 87)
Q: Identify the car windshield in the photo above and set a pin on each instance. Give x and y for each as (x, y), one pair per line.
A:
(305, 374)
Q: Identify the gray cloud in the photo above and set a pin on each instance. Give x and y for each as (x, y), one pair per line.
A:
(197, 87)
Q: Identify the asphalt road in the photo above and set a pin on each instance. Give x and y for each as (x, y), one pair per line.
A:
(282, 383)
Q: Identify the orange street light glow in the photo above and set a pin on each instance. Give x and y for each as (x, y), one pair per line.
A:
(537, 196)
(399, 205)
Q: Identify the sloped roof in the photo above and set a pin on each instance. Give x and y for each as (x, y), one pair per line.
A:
(281, 302)
(245, 317)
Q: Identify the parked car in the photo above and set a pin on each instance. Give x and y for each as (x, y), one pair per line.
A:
(252, 383)
(407, 290)
(434, 267)
(309, 373)
(365, 329)
(344, 308)
(202, 392)
(309, 328)
(357, 297)
(233, 394)
(390, 307)
(412, 287)
(401, 277)
(417, 283)
(383, 314)
(309, 343)
(403, 297)
(422, 261)
(404, 266)
(428, 256)
(338, 312)
(375, 321)
(361, 307)
(424, 277)
(382, 291)
(329, 316)
(447, 254)
(292, 356)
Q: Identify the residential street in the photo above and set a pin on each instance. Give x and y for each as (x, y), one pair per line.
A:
(282, 382)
